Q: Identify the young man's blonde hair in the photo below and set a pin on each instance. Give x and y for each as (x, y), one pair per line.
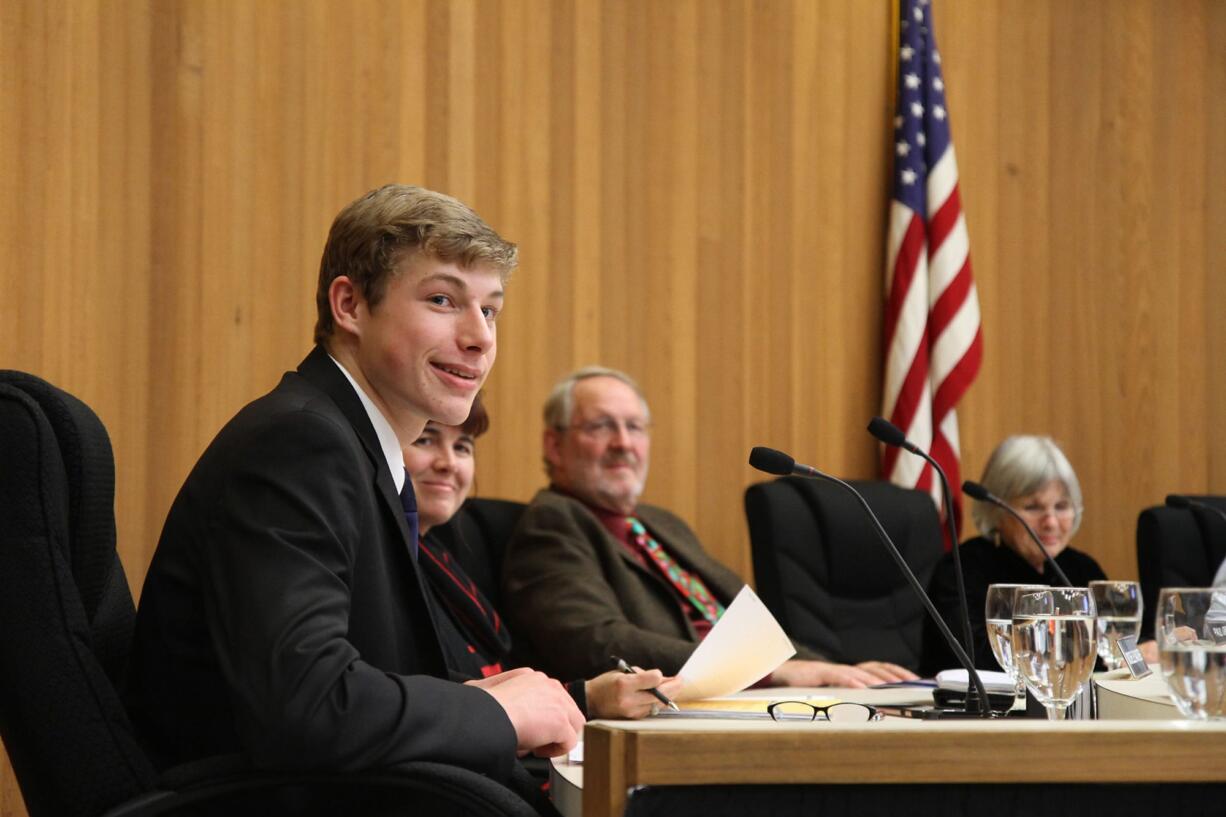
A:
(373, 234)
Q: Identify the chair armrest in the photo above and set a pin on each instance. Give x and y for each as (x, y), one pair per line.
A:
(227, 785)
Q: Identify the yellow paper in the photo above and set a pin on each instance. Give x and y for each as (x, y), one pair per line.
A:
(744, 646)
(746, 704)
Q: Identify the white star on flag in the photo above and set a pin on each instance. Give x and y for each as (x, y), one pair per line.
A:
(917, 109)
(912, 80)
(938, 112)
(902, 148)
(907, 176)
(906, 52)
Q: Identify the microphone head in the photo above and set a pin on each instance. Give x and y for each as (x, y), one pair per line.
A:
(886, 432)
(1178, 501)
(771, 461)
(976, 491)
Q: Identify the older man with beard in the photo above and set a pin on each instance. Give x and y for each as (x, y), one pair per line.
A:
(591, 573)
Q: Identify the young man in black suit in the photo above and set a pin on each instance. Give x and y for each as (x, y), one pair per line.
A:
(282, 615)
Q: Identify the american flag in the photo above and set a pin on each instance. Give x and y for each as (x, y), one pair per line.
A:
(932, 335)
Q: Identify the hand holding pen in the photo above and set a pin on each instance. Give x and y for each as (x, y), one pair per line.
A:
(626, 669)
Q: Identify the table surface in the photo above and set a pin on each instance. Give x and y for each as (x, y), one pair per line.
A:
(621, 754)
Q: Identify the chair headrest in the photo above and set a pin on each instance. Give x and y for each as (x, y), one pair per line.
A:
(810, 515)
(32, 482)
(89, 471)
(853, 551)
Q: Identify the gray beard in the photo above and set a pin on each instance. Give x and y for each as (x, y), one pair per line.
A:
(618, 501)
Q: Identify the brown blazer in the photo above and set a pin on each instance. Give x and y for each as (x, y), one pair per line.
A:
(575, 597)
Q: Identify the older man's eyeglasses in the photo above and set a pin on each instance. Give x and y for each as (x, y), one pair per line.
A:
(606, 428)
(841, 712)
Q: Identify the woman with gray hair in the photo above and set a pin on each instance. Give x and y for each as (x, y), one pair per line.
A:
(1034, 477)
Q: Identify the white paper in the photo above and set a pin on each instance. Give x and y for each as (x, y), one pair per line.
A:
(956, 680)
(744, 646)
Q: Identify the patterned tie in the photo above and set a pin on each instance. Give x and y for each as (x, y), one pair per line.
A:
(691, 588)
(409, 502)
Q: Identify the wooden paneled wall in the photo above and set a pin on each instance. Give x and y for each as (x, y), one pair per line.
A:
(698, 188)
(1091, 140)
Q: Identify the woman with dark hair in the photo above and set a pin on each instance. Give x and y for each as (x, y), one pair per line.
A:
(441, 463)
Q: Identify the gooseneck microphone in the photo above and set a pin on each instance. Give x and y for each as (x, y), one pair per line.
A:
(892, 435)
(976, 491)
(780, 464)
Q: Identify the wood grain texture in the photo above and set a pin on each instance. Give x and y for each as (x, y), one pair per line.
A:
(618, 757)
(1087, 148)
(699, 191)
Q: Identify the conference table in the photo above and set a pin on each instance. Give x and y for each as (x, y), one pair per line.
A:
(1012, 765)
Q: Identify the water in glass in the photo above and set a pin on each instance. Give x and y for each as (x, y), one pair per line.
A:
(1119, 614)
(1191, 630)
(1054, 643)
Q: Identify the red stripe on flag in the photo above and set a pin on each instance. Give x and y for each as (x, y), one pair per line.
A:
(905, 266)
(959, 378)
(943, 220)
(950, 301)
(924, 483)
(909, 399)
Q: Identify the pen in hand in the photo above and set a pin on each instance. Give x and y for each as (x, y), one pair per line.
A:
(659, 696)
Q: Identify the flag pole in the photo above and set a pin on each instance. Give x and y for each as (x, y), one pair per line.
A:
(892, 61)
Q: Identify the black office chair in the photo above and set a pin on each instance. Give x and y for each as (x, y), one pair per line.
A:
(1178, 547)
(821, 570)
(477, 535)
(66, 618)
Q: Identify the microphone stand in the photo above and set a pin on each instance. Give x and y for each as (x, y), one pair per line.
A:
(976, 491)
(889, 434)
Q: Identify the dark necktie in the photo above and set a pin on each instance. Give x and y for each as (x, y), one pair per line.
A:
(409, 502)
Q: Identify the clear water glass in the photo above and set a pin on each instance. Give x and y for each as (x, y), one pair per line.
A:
(998, 615)
(1119, 614)
(1190, 625)
(1054, 645)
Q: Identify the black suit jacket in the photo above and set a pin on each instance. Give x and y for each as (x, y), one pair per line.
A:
(282, 615)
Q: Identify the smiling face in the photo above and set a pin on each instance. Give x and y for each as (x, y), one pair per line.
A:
(441, 464)
(1050, 512)
(424, 351)
(602, 456)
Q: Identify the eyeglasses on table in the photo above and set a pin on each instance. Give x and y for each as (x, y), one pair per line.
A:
(841, 712)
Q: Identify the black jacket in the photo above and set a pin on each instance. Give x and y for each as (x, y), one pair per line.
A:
(283, 616)
(983, 564)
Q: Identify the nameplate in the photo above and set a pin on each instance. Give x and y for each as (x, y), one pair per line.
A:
(1127, 645)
